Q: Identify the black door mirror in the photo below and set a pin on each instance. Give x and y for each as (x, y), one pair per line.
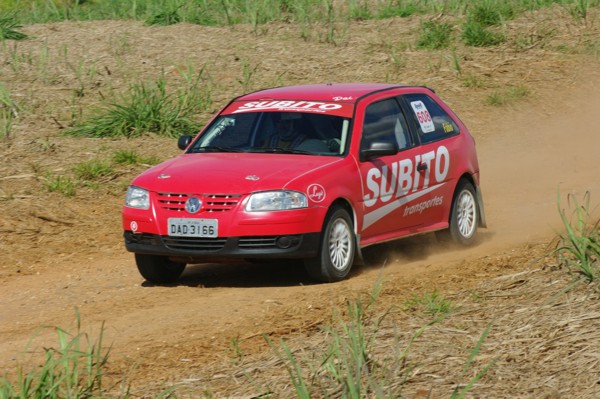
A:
(378, 149)
(183, 141)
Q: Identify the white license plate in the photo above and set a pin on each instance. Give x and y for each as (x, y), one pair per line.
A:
(184, 227)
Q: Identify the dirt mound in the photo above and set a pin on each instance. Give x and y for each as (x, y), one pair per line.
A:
(61, 253)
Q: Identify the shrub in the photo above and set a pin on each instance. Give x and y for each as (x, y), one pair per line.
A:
(435, 35)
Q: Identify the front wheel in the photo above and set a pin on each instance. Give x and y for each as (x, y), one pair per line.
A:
(336, 250)
(463, 216)
(158, 269)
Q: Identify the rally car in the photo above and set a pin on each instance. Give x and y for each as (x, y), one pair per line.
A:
(313, 173)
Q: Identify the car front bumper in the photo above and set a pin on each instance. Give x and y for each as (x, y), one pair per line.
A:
(190, 250)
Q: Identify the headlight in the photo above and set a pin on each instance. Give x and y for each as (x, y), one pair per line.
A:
(276, 201)
(137, 198)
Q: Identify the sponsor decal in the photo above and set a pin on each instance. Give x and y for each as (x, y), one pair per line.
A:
(340, 98)
(316, 193)
(133, 226)
(423, 116)
(306, 106)
(391, 186)
(421, 206)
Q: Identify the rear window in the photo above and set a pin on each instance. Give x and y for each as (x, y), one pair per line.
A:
(433, 123)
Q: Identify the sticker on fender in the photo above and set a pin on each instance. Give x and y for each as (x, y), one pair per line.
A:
(186, 227)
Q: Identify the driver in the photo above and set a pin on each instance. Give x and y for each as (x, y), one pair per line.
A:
(287, 132)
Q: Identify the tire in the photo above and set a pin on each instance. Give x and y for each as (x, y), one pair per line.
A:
(158, 269)
(464, 216)
(337, 249)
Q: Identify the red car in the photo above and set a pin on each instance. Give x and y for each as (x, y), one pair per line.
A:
(314, 173)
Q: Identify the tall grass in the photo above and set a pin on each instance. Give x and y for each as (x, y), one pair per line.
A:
(9, 110)
(151, 108)
(72, 369)
(230, 12)
(9, 26)
(435, 35)
(353, 364)
(578, 248)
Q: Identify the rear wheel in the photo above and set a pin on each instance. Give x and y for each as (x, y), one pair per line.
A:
(463, 216)
(158, 269)
(336, 249)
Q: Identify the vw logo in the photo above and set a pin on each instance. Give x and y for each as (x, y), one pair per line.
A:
(193, 205)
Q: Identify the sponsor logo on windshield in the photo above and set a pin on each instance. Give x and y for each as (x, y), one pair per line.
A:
(306, 106)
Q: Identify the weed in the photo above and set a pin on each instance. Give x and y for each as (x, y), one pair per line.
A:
(397, 9)
(508, 96)
(579, 9)
(9, 110)
(60, 184)
(578, 248)
(359, 10)
(131, 157)
(72, 369)
(477, 35)
(149, 108)
(472, 81)
(456, 394)
(490, 13)
(435, 35)
(433, 304)
(351, 366)
(94, 170)
(164, 17)
(248, 72)
(8, 26)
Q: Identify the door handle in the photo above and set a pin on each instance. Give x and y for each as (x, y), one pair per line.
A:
(422, 167)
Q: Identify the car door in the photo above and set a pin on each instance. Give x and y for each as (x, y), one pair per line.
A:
(391, 182)
(440, 141)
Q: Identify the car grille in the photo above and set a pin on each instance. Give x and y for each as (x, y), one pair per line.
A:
(195, 244)
(257, 242)
(210, 202)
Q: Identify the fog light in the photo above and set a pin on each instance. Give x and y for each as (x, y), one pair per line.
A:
(285, 242)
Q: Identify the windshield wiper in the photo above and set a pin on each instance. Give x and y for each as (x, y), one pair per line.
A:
(214, 148)
(281, 150)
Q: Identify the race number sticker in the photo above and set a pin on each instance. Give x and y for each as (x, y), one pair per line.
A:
(423, 116)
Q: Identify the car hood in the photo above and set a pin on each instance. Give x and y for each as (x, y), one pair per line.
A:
(222, 173)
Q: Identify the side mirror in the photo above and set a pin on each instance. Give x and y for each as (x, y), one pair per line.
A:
(378, 149)
(184, 141)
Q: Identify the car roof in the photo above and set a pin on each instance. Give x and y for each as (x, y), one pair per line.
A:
(339, 92)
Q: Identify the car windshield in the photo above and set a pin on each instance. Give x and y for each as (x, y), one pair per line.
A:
(276, 132)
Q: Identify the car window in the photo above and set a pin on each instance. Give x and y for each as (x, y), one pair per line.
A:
(384, 121)
(433, 123)
(305, 133)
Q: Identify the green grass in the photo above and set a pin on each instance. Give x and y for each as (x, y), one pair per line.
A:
(131, 157)
(433, 304)
(73, 369)
(231, 12)
(150, 108)
(508, 96)
(477, 35)
(9, 26)
(578, 247)
(351, 367)
(435, 35)
(94, 170)
(9, 111)
(61, 184)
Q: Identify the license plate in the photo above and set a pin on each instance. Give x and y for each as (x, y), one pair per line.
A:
(184, 227)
